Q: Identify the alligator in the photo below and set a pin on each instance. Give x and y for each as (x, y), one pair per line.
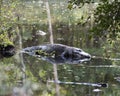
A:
(58, 53)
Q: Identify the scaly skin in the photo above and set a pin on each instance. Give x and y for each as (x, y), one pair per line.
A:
(58, 53)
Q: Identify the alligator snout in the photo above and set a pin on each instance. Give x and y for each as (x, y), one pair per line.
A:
(83, 55)
(86, 56)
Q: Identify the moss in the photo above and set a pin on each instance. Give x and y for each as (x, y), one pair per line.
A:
(4, 40)
(43, 53)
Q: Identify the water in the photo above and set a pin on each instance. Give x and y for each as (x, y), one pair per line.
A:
(79, 79)
(37, 79)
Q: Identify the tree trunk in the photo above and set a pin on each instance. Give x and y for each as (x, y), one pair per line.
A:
(51, 41)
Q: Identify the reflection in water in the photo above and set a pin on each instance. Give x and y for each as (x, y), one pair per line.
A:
(97, 90)
(58, 53)
(79, 83)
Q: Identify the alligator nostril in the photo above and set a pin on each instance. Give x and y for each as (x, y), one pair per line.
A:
(88, 56)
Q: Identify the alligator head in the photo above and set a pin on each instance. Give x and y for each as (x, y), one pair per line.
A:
(58, 53)
(75, 55)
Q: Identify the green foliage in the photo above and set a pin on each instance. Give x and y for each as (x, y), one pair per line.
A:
(7, 21)
(107, 19)
(79, 3)
(8, 76)
(7, 14)
(4, 40)
(107, 26)
(106, 15)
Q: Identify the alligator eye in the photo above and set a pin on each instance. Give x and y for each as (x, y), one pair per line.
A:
(37, 53)
(79, 50)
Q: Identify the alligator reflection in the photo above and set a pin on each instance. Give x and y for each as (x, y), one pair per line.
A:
(58, 53)
(79, 83)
